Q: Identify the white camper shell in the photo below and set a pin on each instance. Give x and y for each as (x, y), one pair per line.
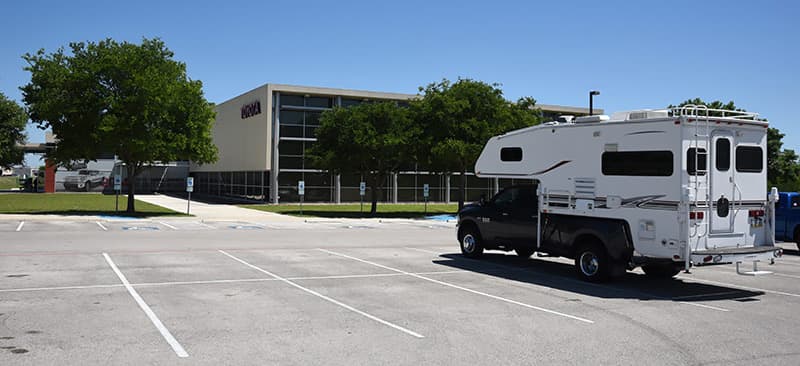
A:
(689, 182)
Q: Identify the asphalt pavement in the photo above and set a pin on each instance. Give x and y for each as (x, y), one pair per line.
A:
(347, 292)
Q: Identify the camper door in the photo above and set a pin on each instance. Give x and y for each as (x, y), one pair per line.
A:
(723, 190)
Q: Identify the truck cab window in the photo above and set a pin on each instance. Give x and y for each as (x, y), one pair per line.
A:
(506, 197)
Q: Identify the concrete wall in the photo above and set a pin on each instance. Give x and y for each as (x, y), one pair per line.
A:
(243, 143)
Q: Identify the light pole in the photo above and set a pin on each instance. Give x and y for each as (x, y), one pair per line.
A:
(591, 97)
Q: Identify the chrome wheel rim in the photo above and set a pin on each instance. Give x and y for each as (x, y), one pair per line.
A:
(589, 264)
(468, 243)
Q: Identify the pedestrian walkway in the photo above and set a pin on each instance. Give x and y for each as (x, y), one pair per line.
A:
(207, 211)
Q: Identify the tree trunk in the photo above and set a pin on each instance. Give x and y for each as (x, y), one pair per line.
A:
(131, 169)
(375, 185)
(462, 190)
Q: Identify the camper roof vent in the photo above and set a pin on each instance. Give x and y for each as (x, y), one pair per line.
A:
(639, 114)
(566, 118)
(589, 119)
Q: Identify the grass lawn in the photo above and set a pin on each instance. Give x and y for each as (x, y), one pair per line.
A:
(9, 182)
(75, 204)
(385, 210)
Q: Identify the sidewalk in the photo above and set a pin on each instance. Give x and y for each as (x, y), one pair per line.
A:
(206, 211)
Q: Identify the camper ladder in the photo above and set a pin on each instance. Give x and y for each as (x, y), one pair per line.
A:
(700, 182)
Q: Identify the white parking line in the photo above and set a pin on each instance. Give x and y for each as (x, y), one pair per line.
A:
(702, 305)
(27, 289)
(424, 250)
(206, 225)
(167, 225)
(101, 226)
(326, 298)
(785, 275)
(21, 224)
(739, 286)
(461, 288)
(639, 293)
(149, 312)
(173, 283)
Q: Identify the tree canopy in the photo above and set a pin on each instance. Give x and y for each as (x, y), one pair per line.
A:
(12, 131)
(459, 118)
(783, 169)
(132, 100)
(370, 139)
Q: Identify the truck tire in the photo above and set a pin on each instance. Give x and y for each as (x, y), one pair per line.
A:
(660, 271)
(524, 252)
(471, 242)
(592, 262)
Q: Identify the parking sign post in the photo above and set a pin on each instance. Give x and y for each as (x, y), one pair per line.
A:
(362, 189)
(425, 192)
(301, 190)
(117, 189)
(189, 189)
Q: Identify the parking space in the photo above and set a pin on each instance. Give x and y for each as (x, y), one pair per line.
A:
(364, 302)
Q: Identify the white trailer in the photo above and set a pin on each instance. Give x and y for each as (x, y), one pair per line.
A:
(662, 189)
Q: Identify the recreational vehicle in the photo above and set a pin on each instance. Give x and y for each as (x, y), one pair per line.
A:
(664, 190)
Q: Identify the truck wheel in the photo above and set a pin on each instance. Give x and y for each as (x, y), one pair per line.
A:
(592, 263)
(524, 252)
(660, 270)
(471, 242)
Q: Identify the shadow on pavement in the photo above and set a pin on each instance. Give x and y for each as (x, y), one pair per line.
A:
(562, 276)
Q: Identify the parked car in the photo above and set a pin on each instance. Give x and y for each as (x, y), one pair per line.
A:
(787, 217)
(84, 180)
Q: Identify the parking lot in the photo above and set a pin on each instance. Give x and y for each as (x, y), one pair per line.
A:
(361, 292)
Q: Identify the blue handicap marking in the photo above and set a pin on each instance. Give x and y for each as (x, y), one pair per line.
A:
(245, 227)
(140, 228)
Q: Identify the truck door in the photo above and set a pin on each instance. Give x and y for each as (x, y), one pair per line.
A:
(499, 219)
(523, 217)
(780, 216)
(722, 188)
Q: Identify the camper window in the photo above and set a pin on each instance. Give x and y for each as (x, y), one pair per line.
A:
(749, 159)
(723, 155)
(638, 163)
(511, 154)
(696, 161)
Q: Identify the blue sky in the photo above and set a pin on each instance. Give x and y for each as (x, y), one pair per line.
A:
(639, 54)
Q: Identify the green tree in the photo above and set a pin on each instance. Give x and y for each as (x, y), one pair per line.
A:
(12, 131)
(132, 100)
(459, 118)
(783, 170)
(370, 139)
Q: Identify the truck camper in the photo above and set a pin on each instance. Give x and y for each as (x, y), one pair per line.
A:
(665, 190)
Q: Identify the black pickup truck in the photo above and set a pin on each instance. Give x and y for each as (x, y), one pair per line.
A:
(601, 247)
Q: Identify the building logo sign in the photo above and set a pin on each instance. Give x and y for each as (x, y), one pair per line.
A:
(252, 109)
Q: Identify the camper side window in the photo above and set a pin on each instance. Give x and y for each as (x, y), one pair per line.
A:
(749, 159)
(511, 154)
(638, 163)
(696, 161)
(723, 151)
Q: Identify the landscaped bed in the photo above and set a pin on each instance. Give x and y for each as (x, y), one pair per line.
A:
(76, 204)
